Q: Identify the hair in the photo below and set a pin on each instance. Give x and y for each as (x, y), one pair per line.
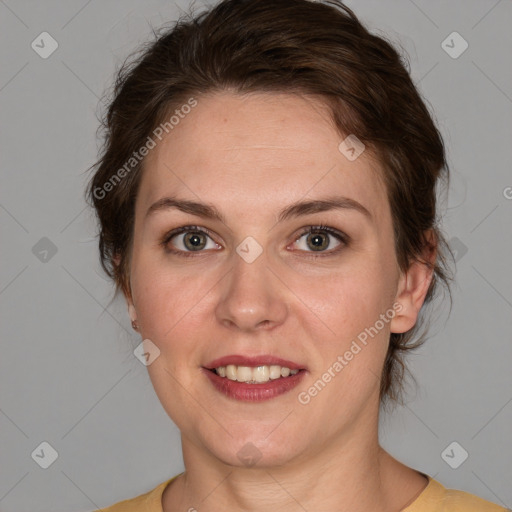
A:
(281, 46)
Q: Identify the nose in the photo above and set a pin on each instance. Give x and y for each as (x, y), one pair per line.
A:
(252, 298)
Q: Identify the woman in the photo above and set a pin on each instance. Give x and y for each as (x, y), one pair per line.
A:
(266, 199)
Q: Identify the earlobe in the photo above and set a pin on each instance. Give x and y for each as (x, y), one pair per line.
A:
(132, 312)
(133, 315)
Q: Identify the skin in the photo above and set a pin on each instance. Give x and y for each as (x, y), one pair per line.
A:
(250, 156)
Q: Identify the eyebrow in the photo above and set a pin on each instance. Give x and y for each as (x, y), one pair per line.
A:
(297, 209)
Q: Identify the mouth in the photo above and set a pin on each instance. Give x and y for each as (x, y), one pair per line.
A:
(253, 379)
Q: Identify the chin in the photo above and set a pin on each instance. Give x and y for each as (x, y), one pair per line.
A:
(255, 451)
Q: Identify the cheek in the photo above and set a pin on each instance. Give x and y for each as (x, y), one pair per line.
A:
(351, 352)
(166, 296)
(167, 302)
(349, 299)
(171, 311)
(349, 303)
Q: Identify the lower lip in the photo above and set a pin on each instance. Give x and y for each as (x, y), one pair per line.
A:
(254, 392)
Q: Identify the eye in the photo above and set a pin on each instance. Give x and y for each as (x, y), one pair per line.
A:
(188, 239)
(320, 238)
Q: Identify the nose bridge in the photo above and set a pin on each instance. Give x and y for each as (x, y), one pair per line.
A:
(251, 298)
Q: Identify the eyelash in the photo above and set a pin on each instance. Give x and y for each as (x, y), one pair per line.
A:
(340, 236)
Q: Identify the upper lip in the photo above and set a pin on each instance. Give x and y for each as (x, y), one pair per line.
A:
(263, 360)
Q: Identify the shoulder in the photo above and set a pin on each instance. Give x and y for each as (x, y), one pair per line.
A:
(436, 498)
(150, 501)
(465, 502)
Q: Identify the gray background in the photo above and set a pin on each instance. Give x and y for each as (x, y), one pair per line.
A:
(68, 375)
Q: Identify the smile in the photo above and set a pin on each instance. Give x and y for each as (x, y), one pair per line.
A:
(254, 375)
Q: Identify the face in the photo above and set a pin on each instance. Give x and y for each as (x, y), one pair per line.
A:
(256, 284)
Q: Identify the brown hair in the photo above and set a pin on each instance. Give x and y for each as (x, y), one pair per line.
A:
(294, 46)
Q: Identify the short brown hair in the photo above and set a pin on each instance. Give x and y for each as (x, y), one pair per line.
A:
(294, 46)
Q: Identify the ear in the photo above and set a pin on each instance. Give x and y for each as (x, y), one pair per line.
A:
(413, 286)
(129, 302)
(131, 310)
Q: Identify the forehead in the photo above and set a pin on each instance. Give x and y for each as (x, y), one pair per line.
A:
(261, 150)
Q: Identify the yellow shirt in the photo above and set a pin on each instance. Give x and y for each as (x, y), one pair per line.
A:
(434, 498)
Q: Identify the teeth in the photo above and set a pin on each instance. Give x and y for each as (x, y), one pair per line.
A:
(275, 372)
(231, 372)
(260, 373)
(254, 375)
